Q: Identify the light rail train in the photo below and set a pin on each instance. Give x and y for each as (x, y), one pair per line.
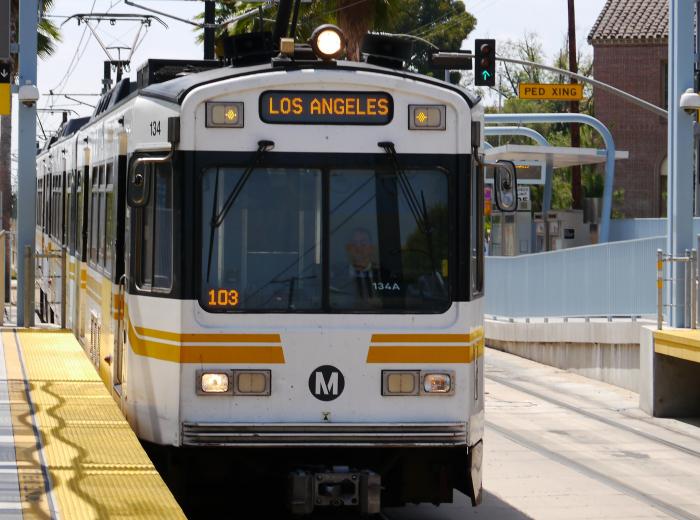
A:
(281, 261)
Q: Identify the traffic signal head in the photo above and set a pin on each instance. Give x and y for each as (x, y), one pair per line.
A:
(485, 63)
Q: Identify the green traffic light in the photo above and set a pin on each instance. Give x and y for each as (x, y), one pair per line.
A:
(486, 75)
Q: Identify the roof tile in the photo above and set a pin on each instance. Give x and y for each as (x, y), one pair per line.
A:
(629, 21)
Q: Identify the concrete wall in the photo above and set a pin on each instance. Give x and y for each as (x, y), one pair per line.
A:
(669, 386)
(604, 350)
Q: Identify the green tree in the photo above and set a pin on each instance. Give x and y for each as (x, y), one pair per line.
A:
(445, 23)
(47, 36)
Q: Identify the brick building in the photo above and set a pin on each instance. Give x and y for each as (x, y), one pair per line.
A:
(630, 52)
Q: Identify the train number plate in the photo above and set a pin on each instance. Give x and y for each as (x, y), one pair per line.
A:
(326, 108)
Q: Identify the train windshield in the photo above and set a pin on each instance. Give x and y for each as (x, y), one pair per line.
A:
(331, 240)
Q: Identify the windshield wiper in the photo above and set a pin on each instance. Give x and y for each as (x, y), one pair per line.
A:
(418, 208)
(217, 218)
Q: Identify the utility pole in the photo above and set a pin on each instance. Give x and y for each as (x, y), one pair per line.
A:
(209, 31)
(574, 108)
(680, 151)
(26, 169)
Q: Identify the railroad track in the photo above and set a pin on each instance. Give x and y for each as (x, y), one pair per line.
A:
(594, 416)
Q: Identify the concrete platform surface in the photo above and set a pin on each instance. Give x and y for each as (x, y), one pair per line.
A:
(559, 446)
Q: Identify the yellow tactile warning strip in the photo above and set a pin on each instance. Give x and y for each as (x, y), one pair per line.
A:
(31, 470)
(96, 466)
(680, 343)
(207, 348)
(426, 348)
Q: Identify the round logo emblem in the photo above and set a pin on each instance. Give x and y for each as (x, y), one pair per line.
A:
(326, 383)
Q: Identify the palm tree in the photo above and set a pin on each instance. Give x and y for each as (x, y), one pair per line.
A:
(354, 17)
(47, 37)
(357, 17)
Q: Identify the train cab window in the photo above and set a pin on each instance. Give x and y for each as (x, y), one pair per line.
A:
(389, 241)
(325, 240)
(154, 232)
(262, 252)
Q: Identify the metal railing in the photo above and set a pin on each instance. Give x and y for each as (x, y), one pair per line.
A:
(50, 276)
(690, 276)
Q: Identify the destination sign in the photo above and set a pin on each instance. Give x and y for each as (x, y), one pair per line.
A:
(326, 108)
(551, 91)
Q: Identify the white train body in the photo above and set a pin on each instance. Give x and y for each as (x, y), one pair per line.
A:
(141, 296)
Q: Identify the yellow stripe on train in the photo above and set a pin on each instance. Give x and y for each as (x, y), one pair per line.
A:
(180, 353)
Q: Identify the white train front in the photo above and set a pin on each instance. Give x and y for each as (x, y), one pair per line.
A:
(283, 264)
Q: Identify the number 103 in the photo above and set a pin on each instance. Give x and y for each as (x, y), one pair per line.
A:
(223, 298)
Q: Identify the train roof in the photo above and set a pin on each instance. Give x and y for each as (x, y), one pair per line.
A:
(175, 90)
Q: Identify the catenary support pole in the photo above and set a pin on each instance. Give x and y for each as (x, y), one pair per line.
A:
(209, 31)
(680, 150)
(26, 170)
(523, 119)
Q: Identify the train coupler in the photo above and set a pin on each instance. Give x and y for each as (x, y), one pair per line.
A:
(340, 487)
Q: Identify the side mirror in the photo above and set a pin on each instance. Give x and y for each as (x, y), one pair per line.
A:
(505, 183)
(138, 184)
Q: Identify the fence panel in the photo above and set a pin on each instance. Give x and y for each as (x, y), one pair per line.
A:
(615, 279)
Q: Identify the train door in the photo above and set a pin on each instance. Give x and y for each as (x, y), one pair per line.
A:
(81, 280)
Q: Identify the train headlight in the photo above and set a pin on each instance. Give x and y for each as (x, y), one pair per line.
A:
(214, 382)
(437, 383)
(328, 42)
(252, 382)
(400, 382)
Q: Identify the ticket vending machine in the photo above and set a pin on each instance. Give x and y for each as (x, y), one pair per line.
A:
(511, 232)
(566, 229)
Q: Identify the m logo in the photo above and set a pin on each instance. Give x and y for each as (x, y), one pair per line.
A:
(326, 383)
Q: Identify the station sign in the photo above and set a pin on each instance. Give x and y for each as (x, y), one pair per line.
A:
(551, 91)
(326, 108)
(5, 89)
(528, 172)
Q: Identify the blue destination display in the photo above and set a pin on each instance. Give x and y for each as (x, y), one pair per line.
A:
(326, 108)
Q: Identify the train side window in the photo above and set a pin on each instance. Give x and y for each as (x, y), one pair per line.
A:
(39, 193)
(94, 214)
(101, 241)
(109, 210)
(154, 232)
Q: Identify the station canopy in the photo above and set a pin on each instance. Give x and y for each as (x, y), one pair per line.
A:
(561, 157)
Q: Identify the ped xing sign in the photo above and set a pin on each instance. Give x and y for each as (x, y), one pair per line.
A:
(551, 91)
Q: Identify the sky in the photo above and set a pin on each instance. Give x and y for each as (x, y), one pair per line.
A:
(76, 66)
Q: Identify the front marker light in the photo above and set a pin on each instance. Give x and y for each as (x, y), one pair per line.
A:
(252, 382)
(437, 383)
(214, 382)
(400, 382)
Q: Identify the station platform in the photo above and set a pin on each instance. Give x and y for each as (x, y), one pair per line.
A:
(66, 450)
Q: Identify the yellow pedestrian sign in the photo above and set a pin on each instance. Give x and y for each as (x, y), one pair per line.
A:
(551, 91)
